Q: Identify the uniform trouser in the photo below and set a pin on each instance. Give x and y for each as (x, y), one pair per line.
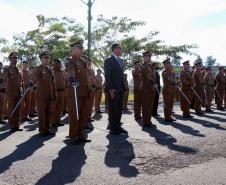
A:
(33, 101)
(177, 95)
(115, 110)
(14, 120)
(225, 98)
(137, 103)
(91, 102)
(25, 105)
(98, 96)
(58, 106)
(106, 100)
(168, 99)
(220, 99)
(76, 127)
(6, 108)
(125, 99)
(156, 102)
(44, 113)
(147, 101)
(65, 100)
(2, 103)
(198, 102)
(185, 106)
(209, 95)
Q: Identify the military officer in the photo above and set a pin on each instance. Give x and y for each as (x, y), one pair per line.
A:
(198, 87)
(98, 92)
(12, 81)
(61, 83)
(2, 95)
(186, 84)
(137, 79)
(46, 93)
(220, 88)
(147, 89)
(77, 70)
(168, 90)
(209, 88)
(26, 103)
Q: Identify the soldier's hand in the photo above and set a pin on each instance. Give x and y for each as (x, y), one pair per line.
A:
(112, 93)
(30, 84)
(72, 80)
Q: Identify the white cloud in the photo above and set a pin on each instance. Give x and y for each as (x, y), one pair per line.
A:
(172, 18)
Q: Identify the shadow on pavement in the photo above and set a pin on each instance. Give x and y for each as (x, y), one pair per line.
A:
(119, 155)
(168, 140)
(4, 135)
(66, 167)
(183, 128)
(202, 122)
(23, 151)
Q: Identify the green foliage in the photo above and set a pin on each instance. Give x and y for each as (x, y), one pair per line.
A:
(54, 35)
(210, 61)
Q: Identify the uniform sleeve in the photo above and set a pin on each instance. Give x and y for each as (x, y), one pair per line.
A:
(5, 76)
(183, 79)
(108, 74)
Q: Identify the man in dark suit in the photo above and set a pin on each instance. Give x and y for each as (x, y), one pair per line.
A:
(157, 82)
(115, 87)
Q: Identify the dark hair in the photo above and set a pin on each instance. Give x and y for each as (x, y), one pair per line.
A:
(114, 46)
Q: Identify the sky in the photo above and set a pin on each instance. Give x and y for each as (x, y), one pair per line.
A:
(201, 22)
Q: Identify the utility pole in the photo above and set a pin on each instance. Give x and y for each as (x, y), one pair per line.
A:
(89, 5)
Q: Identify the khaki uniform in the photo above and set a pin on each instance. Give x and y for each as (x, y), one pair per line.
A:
(199, 88)
(58, 104)
(209, 88)
(186, 84)
(125, 94)
(92, 90)
(168, 92)
(13, 85)
(26, 103)
(2, 96)
(177, 92)
(106, 94)
(78, 69)
(46, 94)
(147, 92)
(203, 72)
(220, 84)
(137, 79)
(98, 92)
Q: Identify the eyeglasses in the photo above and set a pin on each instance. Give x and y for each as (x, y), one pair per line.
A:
(46, 57)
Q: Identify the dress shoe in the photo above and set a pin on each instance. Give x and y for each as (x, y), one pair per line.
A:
(75, 142)
(138, 118)
(209, 110)
(150, 125)
(47, 134)
(89, 126)
(84, 140)
(170, 120)
(114, 132)
(122, 130)
(3, 122)
(199, 113)
(15, 129)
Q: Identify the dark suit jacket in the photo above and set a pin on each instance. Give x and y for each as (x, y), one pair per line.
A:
(113, 74)
(157, 80)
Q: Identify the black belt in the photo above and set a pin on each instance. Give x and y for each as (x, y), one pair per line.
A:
(60, 89)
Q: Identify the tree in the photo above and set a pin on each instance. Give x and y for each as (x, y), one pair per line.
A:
(210, 61)
(55, 34)
(52, 34)
(176, 61)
